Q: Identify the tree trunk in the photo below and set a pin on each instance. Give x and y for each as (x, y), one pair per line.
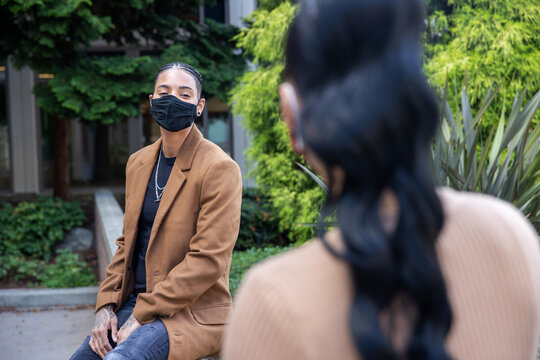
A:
(102, 163)
(61, 164)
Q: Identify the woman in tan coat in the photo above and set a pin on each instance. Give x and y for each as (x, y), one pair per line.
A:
(166, 295)
(411, 271)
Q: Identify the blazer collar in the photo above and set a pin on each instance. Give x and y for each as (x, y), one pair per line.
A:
(184, 158)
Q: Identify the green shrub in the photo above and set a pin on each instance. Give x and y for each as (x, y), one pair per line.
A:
(68, 270)
(19, 267)
(258, 225)
(479, 42)
(243, 260)
(33, 228)
(295, 198)
(28, 234)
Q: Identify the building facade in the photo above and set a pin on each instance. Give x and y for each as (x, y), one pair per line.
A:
(26, 137)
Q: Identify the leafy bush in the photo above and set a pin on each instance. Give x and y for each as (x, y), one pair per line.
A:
(295, 198)
(506, 165)
(28, 235)
(490, 40)
(33, 228)
(19, 267)
(67, 270)
(243, 260)
(258, 225)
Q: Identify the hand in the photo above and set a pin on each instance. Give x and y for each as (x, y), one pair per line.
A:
(105, 320)
(129, 326)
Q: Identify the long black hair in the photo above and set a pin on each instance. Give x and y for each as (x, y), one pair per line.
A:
(367, 108)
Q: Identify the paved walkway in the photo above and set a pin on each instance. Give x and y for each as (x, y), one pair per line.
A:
(53, 334)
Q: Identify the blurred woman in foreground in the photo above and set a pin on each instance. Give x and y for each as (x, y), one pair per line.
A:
(411, 271)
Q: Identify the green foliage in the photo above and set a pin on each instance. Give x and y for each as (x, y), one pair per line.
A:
(108, 89)
(47, 34)
(270, 4)
(243, 260)
(33, 228)
(139, 22)
(19, 267)
(264, 40)
(105, 89)
(506, 165)
(258, 227)
(28, 235)
(52, 35)
(294, 196)
(210, 49)
(67, 270)
(484, 41)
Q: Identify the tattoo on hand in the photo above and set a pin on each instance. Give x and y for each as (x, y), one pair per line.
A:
(103, 315)
(130, 321)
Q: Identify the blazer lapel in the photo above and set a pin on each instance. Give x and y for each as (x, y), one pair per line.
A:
(140, 176)
(183, 162)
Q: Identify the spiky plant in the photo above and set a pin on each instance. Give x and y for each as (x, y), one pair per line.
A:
(505, 163)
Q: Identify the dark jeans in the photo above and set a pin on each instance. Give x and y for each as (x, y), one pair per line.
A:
(150, 341)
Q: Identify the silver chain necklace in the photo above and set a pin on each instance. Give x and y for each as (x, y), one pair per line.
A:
(157, 187)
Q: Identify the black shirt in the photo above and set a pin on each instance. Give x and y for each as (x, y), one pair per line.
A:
(146, 219)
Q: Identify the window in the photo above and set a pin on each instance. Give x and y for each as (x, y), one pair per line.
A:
(216, 124)
(216, 10)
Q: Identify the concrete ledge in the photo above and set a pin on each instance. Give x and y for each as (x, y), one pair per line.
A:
(109, 220)
(48, 297)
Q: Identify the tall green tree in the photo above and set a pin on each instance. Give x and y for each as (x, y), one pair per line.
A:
(48, 35)
(53, 35)
(294, 196)
(481, 42)
(212, 50)
(98, 89)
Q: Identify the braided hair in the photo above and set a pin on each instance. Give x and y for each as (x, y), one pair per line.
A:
(187, 68)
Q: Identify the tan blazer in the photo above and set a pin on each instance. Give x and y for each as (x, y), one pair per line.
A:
(190, 247)
(296, 306)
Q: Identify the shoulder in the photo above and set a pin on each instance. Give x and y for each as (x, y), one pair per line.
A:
(306, 272)
(209, 154)
(296, 295)
(490, 259)
(488, 239)
(140, 154)
(211, 162)
(486, 215)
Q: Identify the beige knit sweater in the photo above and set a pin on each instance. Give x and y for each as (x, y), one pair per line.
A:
(295, 306)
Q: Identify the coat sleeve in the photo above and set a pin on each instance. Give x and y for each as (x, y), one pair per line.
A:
(110, 289)
(210, 249)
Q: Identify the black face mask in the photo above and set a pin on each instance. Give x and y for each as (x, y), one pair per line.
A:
(173, 114)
